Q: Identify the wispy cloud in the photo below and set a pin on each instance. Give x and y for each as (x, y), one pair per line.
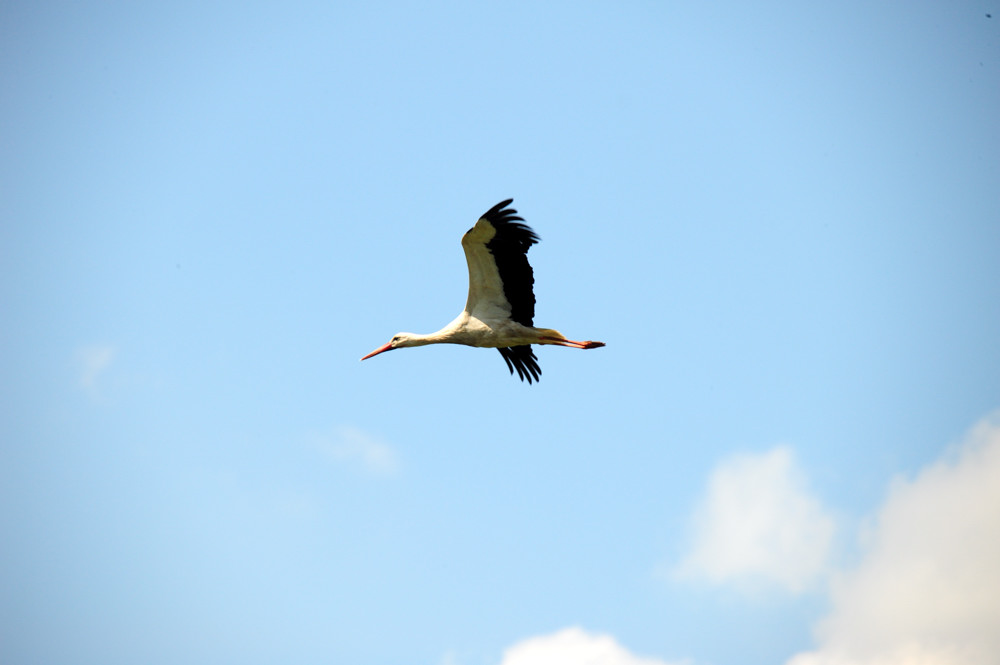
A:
(573, 646)
(449, 658)
(93, 361)
(757, 523)
(926, 590)
(351, 445)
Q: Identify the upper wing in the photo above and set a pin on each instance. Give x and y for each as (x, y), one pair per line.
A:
(500, 278)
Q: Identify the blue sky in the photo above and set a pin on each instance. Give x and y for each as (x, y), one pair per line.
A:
(783, 220)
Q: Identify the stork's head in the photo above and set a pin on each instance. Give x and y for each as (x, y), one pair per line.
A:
(398, 340)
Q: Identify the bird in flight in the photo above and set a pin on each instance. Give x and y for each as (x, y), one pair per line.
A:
(500, 309)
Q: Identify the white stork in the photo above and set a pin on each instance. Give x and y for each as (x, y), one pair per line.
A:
(501, 305)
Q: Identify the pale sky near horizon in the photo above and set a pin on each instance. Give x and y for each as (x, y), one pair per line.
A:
(784, 221)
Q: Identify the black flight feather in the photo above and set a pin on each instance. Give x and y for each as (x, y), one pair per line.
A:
(521, 358)
(509, 248)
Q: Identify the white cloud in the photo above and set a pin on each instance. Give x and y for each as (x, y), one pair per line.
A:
(351, 445)
(93, 361)
(927, 591)
(573, 646)
(757, 523)
(449, 658)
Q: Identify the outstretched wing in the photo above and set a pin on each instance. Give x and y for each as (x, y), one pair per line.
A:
(500, 277)
(501, 280)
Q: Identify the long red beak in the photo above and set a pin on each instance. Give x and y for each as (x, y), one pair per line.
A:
(381, 349)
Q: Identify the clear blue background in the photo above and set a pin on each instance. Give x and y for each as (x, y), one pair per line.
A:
(783, 219)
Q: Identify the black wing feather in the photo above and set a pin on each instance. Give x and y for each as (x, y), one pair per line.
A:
(521, 358)
(509, 248)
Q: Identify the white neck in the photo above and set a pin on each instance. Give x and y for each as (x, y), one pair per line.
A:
(415, 339)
